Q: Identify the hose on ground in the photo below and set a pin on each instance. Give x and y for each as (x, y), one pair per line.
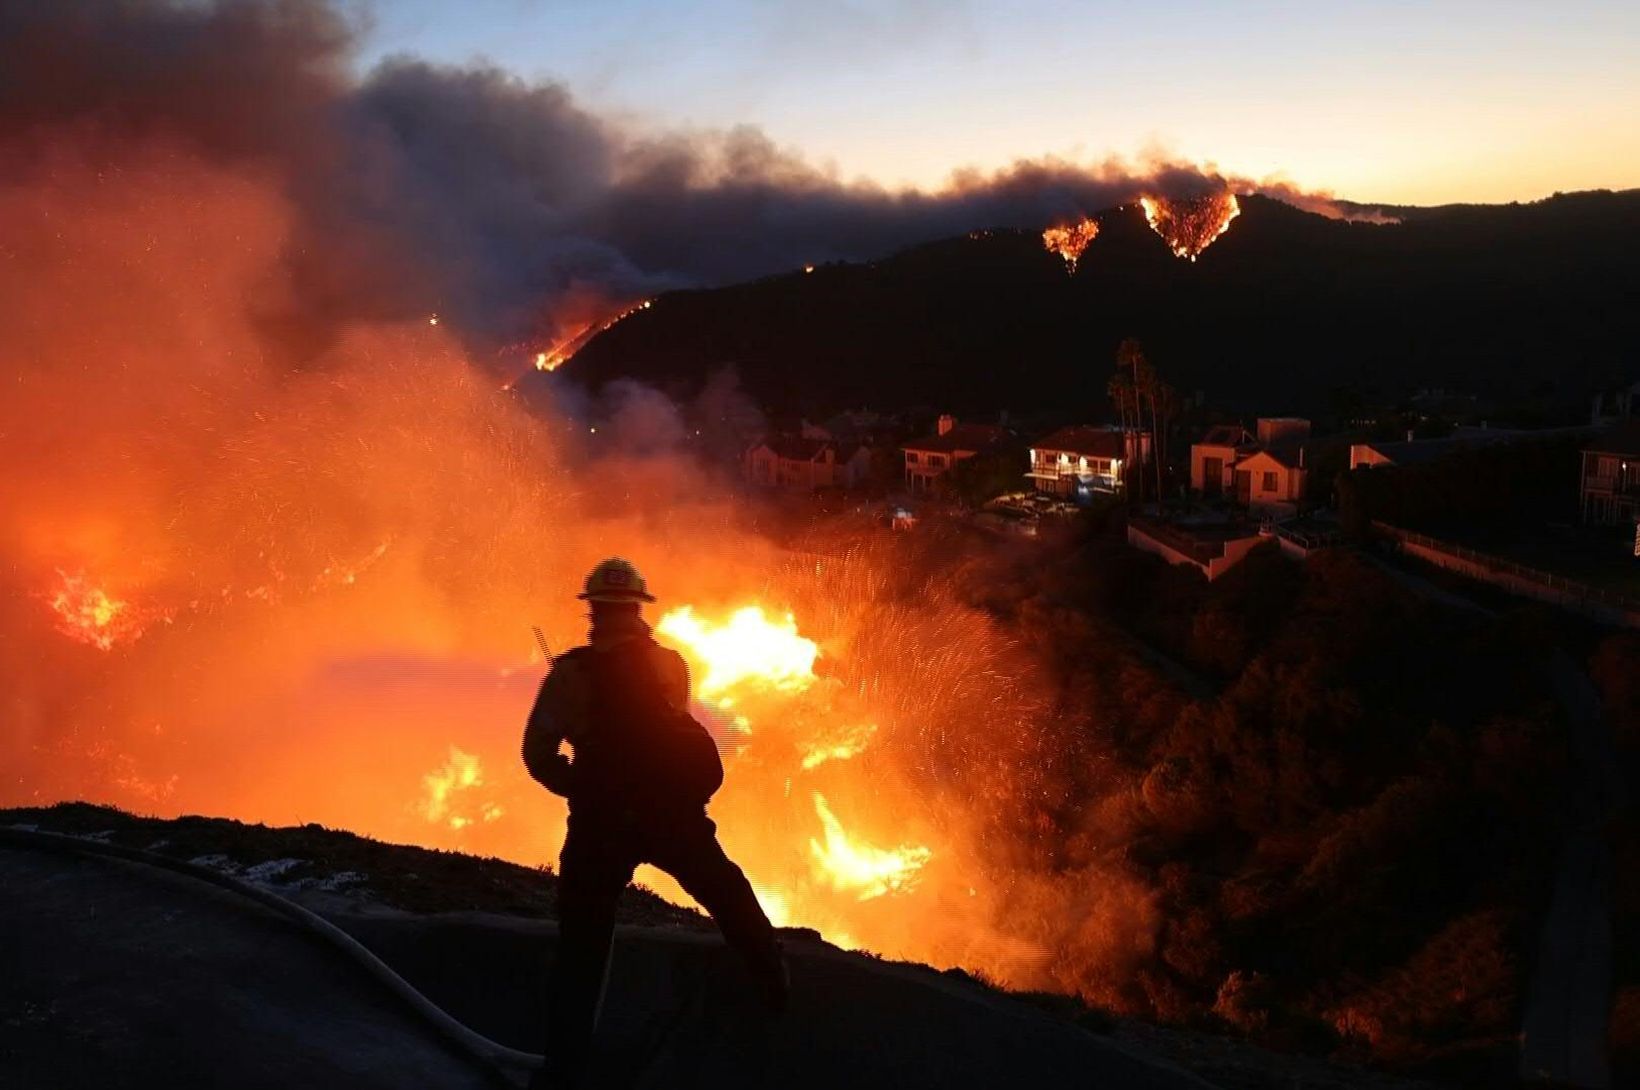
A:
(508, 1065)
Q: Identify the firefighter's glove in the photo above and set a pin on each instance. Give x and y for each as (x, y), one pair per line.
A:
(559, 775)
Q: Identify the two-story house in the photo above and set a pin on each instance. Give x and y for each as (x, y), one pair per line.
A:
(792, 461)
(931, 457)
(1078, 462)
(1263, 470)
(1214, 456)
(1611, 477)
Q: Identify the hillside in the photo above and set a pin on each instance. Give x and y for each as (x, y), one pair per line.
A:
(468, 934)
(1286, 311)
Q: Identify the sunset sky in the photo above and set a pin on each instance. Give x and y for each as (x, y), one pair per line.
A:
(1400, 102)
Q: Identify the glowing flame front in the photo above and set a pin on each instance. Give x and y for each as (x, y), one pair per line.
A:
(747, 649)
(1069, 240)
(763, 666)
(1190, 225)
(860, 869)
(560, 352)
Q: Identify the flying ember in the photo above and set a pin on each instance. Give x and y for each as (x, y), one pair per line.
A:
(1069, 240)
(1190, 225)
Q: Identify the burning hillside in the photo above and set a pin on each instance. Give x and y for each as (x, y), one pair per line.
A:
(1070, 240)
(1190, 225)
(563, 347)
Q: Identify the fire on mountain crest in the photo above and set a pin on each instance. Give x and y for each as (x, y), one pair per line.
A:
(1069, 240)
(563, 348)
(1190, 225)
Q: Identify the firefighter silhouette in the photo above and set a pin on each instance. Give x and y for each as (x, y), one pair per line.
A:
(642, 773)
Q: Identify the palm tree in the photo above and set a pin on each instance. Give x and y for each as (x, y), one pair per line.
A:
(1144, 385)
(1122, 390)
(1140, 386)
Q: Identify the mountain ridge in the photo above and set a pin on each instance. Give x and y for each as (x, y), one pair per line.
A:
(1288, 311)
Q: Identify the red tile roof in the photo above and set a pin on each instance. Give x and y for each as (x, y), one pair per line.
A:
(1088, 441)
(974, 437)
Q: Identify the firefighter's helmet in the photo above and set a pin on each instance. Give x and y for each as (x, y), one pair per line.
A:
(615, 580)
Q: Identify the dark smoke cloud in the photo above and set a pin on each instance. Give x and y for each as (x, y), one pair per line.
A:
(501, 205)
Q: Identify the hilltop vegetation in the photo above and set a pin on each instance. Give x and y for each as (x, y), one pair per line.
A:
(1287, 311)
(1346, 799)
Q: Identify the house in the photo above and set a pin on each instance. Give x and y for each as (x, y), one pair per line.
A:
(1611, 477)
(793, 461)
(1077, 462)
(1263, 469)
(1271, 481)
(1410, 451)
(931, 457)
(1213, 458)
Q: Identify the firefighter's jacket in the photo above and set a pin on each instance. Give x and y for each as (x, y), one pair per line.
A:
(563, 710)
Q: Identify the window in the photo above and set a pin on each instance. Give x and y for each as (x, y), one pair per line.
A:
(937, 461)
(1269, 482)
(912, 458)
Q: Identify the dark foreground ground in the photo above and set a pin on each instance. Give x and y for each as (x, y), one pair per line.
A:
(122, 975)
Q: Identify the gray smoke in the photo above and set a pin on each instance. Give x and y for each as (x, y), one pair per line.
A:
(465, 191)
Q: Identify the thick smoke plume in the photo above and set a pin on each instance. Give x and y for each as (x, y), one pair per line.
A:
(502, 206)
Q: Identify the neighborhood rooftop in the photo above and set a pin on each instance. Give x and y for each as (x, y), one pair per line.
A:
(960, 437)
(1085, 440)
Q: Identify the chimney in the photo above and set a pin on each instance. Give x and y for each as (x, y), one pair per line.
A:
(947, 422)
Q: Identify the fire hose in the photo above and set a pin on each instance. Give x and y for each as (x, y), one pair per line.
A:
(506, 1066)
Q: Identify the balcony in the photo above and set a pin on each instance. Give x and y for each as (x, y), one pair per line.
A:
(1618, 484)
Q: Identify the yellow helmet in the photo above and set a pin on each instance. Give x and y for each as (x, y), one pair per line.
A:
(615, 580)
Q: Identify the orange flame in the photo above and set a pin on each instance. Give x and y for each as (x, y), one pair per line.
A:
(565, 347)
(1069, 240)
(754, 660)
(849, 745)
(747, 650)
(860, 869)
(1190, 225)
(445, 788)
(90, 615)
